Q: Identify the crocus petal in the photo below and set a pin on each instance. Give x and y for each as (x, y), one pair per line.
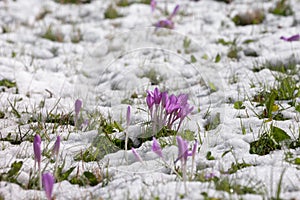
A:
(164, 98)
(136, 155)
(184, 111)
(153, 4)
(174, 12)
(292, 38)
(56, 146)
(37, 148)
(37, 139)
(150, 99)
(48, 182)
(182, 99)
(157, 96)
(128, 116)
(182, 149)
(78, 105)
(156, 147)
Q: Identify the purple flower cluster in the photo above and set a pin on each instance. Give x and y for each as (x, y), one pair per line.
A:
(166, 23)
(165, 109)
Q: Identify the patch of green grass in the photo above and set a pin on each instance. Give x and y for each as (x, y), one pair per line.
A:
(123, 3)
(50, 34)
(209, 156)
(289, 68)
(213, 122)
(229, 186)
(89, 155)
(224, 42)
(233, 52)
(84, 179)
(154, 77)
(269, 141)
(238, 105)
(13, 173)
(282, 8)
(145, 1)
(290, 158)
(237, 166)
(2, 115)
(7, 83)
(111, 13)
(287, 87)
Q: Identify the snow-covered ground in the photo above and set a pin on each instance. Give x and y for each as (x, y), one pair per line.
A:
(110, 63)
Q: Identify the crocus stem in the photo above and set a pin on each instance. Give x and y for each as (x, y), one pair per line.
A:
(55, 167)
(40, 177)
(172, 168)
(193, 161)
(126, 143)
(184, 177)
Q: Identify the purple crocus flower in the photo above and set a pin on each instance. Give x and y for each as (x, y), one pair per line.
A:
(128, 116)
(48, 182)
(166, 23)
(167, 109)
(136, 155)
(183, 151)
(78, 105)
(291, 39)
(153, 4)
(150, 99)
(56, 146)
(37, 149)
(156, 148)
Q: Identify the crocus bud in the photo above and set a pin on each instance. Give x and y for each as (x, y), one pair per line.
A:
(37, 149)
(78, 105)
(48, 182)
(156, 148)
(56, 146)
(136, 155)
(128, 116)
(174, 12)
